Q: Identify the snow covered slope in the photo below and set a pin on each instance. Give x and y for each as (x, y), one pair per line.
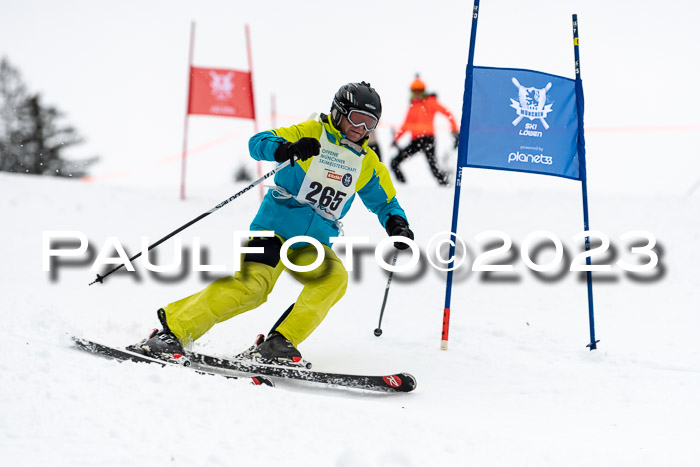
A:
(517, 387)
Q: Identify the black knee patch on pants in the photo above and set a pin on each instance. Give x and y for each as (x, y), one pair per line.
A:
(270, 256)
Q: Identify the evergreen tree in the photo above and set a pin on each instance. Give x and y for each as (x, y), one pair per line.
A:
(12, 96)
(32, 139)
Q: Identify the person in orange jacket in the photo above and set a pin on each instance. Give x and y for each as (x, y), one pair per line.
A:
(419, 122)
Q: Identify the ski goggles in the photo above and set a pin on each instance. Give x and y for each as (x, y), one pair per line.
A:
(359, 118)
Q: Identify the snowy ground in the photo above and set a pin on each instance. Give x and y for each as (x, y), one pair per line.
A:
(517, 386)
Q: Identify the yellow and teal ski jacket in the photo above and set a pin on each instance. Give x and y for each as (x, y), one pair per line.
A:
(313, 195)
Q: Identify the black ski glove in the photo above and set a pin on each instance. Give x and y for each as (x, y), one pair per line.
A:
(397, 225)
(302, 149)
(455, 134)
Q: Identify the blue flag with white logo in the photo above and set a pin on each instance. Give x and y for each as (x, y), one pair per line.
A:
(524, 121)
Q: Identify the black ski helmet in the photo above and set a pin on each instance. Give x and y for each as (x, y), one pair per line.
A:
(358, 96)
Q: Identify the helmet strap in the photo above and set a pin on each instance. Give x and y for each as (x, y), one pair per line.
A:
(335, 117)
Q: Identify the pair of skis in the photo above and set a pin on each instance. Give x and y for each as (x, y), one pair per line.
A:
(259, 373)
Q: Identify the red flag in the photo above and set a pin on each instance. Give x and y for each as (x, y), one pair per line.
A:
(227, 93)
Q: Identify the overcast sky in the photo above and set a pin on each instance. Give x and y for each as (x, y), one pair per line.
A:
(118, 69)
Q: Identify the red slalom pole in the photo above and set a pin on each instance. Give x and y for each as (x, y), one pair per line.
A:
(252, 99)
(187, 114)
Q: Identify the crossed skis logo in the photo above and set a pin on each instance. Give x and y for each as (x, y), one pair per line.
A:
(531, 103)
(221, 85)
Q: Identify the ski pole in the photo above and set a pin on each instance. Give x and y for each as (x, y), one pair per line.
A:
(378, 331)
(101, 278)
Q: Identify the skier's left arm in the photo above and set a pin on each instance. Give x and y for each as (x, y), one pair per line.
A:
(441, 109)
(453, 123)
(379, 196)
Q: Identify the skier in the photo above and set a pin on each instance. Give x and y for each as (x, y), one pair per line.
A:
(333, 162)
(419, 122)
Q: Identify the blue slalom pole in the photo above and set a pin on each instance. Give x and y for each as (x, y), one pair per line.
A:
(581, 146)
(461, 162)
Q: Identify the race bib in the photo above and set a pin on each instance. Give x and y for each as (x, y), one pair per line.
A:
(331, 178)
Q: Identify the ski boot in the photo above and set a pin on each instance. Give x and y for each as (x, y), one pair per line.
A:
(276, 349)
(162, 345)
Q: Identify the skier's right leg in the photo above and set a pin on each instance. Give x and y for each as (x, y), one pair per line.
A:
(427, 145)
(403, 154)
(188, 319)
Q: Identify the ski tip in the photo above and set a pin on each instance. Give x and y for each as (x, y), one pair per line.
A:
(409, 382)
(401, 382)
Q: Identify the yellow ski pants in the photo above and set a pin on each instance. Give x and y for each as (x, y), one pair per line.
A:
(248, 288)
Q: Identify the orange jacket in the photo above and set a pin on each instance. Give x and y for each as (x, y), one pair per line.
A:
(420, 116)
